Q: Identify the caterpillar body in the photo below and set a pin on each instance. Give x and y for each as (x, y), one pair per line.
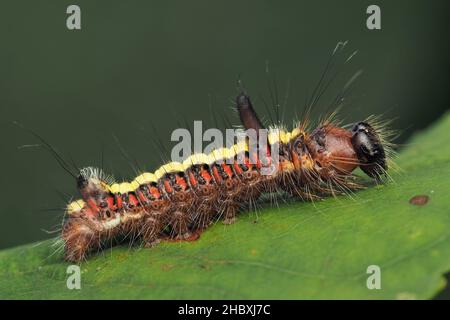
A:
(181, 199)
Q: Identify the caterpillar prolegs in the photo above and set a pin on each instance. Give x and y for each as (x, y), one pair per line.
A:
(181, 199)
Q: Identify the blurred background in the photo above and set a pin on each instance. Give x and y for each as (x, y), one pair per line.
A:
(139, 69)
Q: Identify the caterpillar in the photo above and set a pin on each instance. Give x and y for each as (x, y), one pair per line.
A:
(181, 199)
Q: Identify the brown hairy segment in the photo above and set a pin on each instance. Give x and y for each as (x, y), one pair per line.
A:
(180, 205)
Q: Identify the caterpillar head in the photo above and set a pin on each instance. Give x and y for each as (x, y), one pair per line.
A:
(338, 149)
(92, 183)
(369, 149)
(332, 150)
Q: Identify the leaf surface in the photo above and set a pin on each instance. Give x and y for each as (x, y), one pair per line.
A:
(297, 250)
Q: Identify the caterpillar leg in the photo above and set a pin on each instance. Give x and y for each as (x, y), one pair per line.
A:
(204, 206)
(151, 230)
(202, 217)
(179, 223)
(230, 214)
(193, 235)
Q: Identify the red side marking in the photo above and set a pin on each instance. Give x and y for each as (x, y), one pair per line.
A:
(119, 201)
(216, 174)
(92, 204)
(180, 181)
(237, 168)
(167, 186)
(258, 162)
(192, 179)
(110, 201)
(133, 200)
(141, 196)
(247, 163)
(227, 170)
(205, 174)
(155, 192)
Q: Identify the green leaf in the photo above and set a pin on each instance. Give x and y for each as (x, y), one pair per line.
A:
(299, 250)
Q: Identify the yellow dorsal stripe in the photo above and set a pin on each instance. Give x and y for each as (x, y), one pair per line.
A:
(75, 206)
(146, 178)
(169, 168)
(274, 136)
(196, 159)
(278, 135)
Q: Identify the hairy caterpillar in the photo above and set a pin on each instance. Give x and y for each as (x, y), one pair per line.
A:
(179, 200)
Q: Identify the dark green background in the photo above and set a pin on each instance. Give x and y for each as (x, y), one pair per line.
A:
(140, 67)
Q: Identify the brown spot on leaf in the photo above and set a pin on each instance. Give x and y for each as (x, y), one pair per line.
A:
(167, 267)
(419, 200)
(204, 266)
